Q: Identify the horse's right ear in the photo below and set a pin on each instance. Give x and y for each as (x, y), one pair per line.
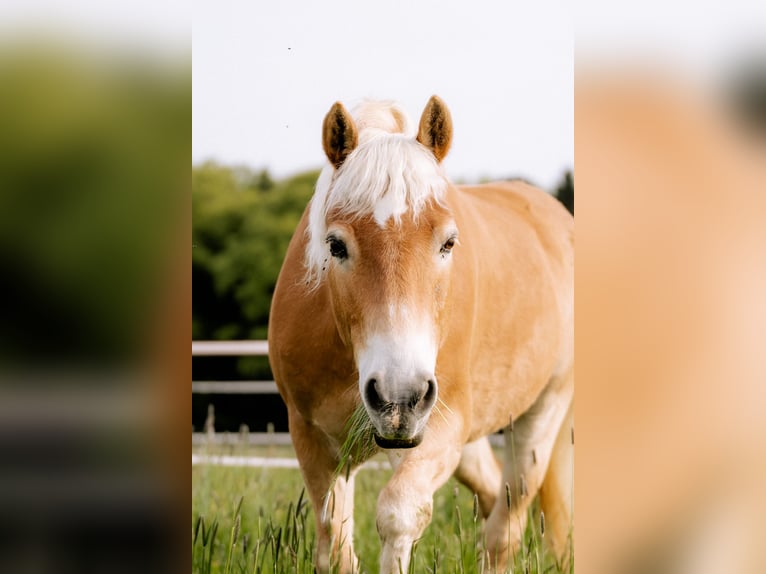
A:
(339, 135)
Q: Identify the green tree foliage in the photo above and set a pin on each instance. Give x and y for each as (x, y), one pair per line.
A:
(565, 192)
(242, 223)
(93, 182)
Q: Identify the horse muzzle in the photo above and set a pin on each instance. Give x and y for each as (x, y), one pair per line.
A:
(400, 416)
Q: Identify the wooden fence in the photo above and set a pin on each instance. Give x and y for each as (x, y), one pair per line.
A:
(235, 349)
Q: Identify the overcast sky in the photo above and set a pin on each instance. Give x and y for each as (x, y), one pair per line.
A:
(265, 73)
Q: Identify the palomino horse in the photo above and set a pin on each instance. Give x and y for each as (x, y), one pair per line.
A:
(410, 295)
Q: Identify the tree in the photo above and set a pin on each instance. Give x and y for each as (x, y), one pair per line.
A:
(242, 223)
(565, 192)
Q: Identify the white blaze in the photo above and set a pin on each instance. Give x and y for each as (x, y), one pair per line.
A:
(398, 359)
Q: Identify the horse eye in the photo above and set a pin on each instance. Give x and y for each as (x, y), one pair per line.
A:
(448, 245)
(337, 248)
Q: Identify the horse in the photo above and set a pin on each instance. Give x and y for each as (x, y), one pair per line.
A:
(443, 314)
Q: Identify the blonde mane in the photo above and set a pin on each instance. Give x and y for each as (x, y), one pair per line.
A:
(387, 174)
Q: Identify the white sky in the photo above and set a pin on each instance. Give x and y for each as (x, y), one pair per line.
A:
(265, 74)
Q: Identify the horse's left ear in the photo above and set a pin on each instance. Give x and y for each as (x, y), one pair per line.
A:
(435, 131)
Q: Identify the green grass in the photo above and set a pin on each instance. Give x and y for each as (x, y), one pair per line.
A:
(360, 441)
(252, 520)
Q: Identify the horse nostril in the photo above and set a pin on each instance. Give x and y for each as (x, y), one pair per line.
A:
(424, 395)
(430, 395)
(371, 394)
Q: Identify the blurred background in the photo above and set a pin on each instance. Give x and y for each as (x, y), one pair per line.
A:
(670, 162)
(95, 104)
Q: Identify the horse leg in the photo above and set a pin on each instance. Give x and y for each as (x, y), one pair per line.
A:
(556, 493)
(480, 471)
(406, 502)
(528, 449)
(331, 497)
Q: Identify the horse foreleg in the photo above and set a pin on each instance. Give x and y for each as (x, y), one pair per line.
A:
(405, 504)
(529, 446)
(331, 497)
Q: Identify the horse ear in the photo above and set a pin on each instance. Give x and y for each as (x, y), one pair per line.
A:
(435, 131)
(339, 135)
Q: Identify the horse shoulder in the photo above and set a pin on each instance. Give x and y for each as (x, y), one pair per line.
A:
(516, 259)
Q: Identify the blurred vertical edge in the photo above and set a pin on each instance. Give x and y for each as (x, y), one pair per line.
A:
(671, 319)
(95, 302)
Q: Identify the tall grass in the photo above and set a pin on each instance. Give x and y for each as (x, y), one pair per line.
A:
(360, 440)
(248, 520)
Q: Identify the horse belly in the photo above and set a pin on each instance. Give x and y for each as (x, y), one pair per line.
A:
(495, 404)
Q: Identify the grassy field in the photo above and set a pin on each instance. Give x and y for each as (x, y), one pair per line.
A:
(252, 520)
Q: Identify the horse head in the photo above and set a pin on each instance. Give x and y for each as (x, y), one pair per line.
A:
(382, 238)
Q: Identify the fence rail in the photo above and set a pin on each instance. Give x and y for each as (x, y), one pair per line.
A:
(238, 439)
(234, 387)
(230, 348)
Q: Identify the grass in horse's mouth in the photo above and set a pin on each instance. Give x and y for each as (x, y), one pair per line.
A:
(360, 440)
